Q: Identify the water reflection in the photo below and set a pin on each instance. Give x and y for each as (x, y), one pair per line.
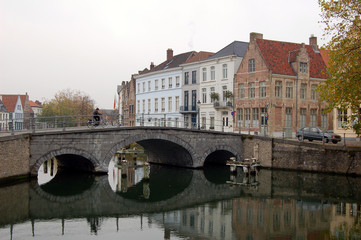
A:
(184, 203)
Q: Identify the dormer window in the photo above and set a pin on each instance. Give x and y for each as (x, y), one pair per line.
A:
(251, 65)
(303, 67)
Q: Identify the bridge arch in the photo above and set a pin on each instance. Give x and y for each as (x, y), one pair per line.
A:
(212, 154)
(92, 162)
(159, 147)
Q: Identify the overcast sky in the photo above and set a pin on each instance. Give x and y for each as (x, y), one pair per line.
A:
(93, 45)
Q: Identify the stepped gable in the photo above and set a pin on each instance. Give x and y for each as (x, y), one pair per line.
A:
(279, 56)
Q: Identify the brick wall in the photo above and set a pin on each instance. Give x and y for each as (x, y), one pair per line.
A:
(15, 155)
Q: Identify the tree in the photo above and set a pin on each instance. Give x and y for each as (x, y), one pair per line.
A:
(342, 89)
(68, 103)
(228, 94)
(214, 96)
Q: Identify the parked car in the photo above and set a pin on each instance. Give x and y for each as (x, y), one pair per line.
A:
(315, 133)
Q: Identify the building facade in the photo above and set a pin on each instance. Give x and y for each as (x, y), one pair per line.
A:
(4, 117)
(19, 110)
(275, 88)
(126, 103)
(216, 87)
(159, 92)
(190, 106)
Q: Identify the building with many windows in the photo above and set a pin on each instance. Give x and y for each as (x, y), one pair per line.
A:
(190, 91)
(159, 92)
(126, 103)
(19, 110)
(275, 87)
(216, 87)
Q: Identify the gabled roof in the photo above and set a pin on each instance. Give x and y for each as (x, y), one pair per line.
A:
(279, 56)
(325, 56)
(173, 62)
(235, 48)
(33, 104)
(199, 56)
(10, 100)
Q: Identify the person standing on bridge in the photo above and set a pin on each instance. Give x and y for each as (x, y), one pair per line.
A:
(96, 116)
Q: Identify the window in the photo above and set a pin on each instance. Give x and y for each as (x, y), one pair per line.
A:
(204, 74)
(288, 117)
(225, 121)
(240, 117)
(143, 84)
(241, 90)
(156, 105)
(194, 77)
(177, 82)
(163, 83)
(262, 89)
(342, 118)
(303, 93)
(224, 71)
(149, 106)
(211, 123)
(156, 84)
(204, 120)
(289, 90)
(138, 106)
(212, 91)
(247, 117)
(251, 90)
(138, 88)
(143, 106)
(186, 100)
(303, 67)
(204, 95)
(251, 65)
(313, 117)
(313, 92)
(170, 82)
(177, 103)
(224, 91)
(163, 104)
(324, 120)
(194, 100)
(149, 86)
(278, 89)
(302, 117)
(255, 117)
(186, 78)
(169, 104)
(213, 73)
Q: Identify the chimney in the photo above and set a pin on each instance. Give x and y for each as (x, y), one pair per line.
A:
(169, 54)
(313, 42)
(151, 65)
(254, 35)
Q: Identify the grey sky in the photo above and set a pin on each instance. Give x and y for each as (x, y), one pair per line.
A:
(92, 45)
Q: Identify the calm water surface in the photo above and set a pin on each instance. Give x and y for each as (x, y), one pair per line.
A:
(175, 203)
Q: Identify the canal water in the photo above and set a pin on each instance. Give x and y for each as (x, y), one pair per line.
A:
(159, 202)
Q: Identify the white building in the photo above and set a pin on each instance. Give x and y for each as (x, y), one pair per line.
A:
(217, 79)
(159, 92)
(4, 117)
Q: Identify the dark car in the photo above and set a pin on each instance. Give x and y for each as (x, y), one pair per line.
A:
(315, 133)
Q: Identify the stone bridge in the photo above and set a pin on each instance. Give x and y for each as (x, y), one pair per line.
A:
(92, 149)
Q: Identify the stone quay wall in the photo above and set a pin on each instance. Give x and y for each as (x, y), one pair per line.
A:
(303, 156)
(14, 156)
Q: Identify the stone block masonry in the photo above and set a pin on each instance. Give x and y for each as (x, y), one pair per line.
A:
(14, 156)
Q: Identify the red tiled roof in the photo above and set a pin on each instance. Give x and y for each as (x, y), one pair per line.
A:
(199, 57)
(278, 55)
(325, 55)
(33, 104)
(10, 101)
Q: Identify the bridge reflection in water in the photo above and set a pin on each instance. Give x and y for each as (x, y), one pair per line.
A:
(184, 203)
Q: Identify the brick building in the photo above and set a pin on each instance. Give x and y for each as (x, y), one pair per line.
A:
(126, 93)
(275, 88)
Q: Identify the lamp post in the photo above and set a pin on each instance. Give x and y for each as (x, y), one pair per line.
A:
(199, 116)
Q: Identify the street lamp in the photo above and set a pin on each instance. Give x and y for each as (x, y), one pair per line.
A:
(199, 116)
